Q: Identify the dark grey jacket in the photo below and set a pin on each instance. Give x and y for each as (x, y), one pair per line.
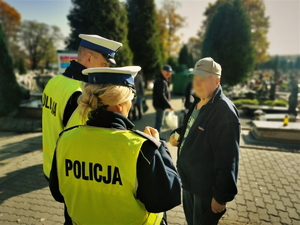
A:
(208, 161)
(161, 94)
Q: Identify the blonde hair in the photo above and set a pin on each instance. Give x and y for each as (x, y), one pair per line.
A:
(95, 96)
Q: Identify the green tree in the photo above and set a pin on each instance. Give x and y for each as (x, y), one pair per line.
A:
(144, 36)
(255, 9)
(228, 41)
(9, 88)
(169, 23)
(297, 63)
(50, 56)
(173, 62)
(185, 57)
(22, 66)
(37, 38)
(194, 45)
(107, 18)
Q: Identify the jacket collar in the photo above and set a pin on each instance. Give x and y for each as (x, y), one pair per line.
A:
(162, 77)
(74, 71)
(216, 95)
(107, 119)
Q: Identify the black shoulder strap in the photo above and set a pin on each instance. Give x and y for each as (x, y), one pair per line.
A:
(148, 137)
(70, 128)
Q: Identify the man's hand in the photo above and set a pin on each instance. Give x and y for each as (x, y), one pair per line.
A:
(171, 109)
(216, 207)
(152, 132)
(173, 141)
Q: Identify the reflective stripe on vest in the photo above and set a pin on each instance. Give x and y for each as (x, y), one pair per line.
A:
(98, 178)
(54, 99)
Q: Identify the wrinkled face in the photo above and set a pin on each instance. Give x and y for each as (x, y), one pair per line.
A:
(166, 74)
(205, 86)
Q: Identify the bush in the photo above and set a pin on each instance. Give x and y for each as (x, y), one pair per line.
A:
(238, 103)
(274, 103)
(22, 66)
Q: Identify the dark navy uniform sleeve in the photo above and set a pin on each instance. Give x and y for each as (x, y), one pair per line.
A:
(225, 142)
(53, 182)
(70, 107)
(159, 186)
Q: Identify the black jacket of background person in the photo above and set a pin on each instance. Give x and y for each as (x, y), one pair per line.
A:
(161, 93)
(209, 158)
(159, 186)
(188, 95)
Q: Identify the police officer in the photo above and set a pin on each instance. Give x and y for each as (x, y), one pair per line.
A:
(60, 95)
(104, 171)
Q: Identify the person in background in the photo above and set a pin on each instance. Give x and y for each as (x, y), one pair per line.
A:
(188, 97)
(162, 96)
(137, 106)
(208, 148)
(106, 172)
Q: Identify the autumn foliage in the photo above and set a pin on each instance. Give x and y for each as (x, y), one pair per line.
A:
(10, 19)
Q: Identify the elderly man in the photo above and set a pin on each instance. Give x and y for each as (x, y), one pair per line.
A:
(208, 148)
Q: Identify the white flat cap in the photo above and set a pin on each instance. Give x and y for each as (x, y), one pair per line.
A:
(106, 47)
(116, 75)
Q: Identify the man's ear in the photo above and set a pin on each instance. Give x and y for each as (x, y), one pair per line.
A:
(88, 57)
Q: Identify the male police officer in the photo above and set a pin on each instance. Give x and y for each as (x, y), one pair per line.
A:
(60, 95)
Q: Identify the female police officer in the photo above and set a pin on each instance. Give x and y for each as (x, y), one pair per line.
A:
(105, 172)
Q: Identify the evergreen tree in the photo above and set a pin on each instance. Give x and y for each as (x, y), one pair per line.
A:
(22, 66)
(255, 9)
(191, 60)
(107, 18)
(184, 58)
(173, 62)
(9, 88)
(228, 41)
(144, 36)
(297, 63)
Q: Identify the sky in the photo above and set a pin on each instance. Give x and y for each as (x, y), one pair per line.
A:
(283, 35)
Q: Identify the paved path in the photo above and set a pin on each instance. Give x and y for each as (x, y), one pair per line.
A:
(269, 184)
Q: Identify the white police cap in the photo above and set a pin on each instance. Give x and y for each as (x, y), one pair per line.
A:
(117, 75)
(106, 47)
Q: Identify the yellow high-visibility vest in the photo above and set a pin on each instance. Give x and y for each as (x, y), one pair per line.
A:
(97, 176)
(54, 100)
